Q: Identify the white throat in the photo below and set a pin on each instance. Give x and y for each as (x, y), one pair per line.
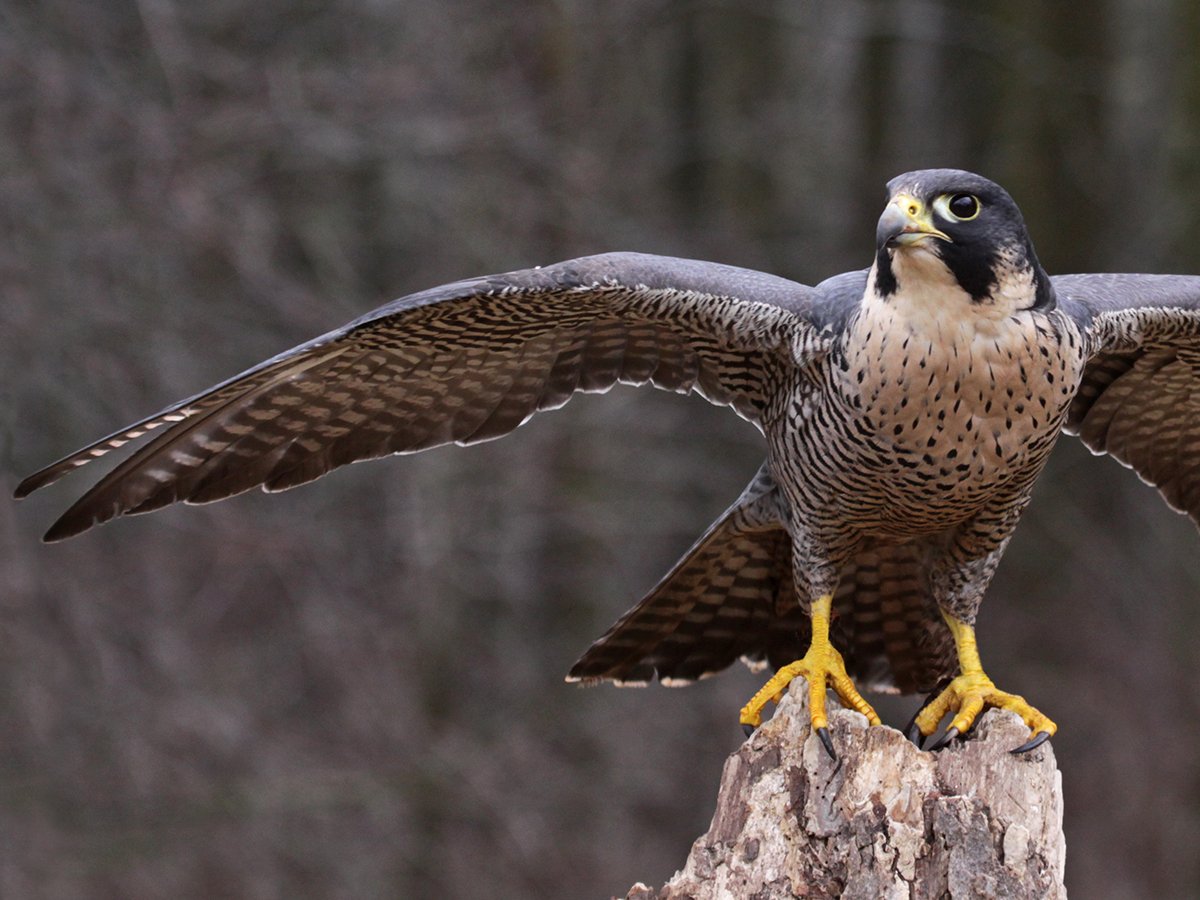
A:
(931, 303)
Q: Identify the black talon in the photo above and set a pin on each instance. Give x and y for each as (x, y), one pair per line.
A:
(912, 726)
(827, 741)
(749, 729)
(951, 734)
(1033, 743)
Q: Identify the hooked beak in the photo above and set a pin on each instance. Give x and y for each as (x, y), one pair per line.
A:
(906, 221)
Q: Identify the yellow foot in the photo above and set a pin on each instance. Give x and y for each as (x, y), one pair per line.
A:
(823, 667)
(967, 696)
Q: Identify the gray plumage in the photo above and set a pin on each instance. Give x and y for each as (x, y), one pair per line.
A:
(908, 410)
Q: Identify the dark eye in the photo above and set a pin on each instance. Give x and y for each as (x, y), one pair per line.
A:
(963, 206)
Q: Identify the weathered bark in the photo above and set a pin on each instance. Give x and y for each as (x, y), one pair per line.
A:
(885, 821)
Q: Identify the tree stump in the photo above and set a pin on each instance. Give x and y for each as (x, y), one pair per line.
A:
(886, 820)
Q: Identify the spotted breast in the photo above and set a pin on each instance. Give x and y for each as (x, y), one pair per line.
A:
(947, 405)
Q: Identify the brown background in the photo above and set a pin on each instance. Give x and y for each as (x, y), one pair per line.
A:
(355, 689)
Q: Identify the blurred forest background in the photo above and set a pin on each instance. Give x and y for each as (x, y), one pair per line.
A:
(355, 689)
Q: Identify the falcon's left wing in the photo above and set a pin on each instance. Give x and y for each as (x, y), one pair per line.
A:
(1140, 397)
(460, 363)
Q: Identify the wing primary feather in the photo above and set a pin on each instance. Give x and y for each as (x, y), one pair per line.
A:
(171, 415)
(104, 500)
(306, 454)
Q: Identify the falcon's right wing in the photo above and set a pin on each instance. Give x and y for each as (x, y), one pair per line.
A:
(461, 363)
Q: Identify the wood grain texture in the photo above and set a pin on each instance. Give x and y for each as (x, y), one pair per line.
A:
(885, 821)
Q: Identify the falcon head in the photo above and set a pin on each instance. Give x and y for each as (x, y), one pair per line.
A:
(946, 225)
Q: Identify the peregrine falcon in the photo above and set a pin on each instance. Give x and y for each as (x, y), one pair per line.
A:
(908, 409)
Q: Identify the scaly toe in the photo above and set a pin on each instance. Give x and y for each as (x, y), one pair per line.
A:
(965, 698)
(913, 729)
(823, 668)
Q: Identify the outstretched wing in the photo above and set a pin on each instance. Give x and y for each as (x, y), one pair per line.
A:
(460, 363)
(1140, 397)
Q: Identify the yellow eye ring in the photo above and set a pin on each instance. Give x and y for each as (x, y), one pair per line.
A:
(958, 207)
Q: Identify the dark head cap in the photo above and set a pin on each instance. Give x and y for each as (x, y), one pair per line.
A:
(969, 222)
